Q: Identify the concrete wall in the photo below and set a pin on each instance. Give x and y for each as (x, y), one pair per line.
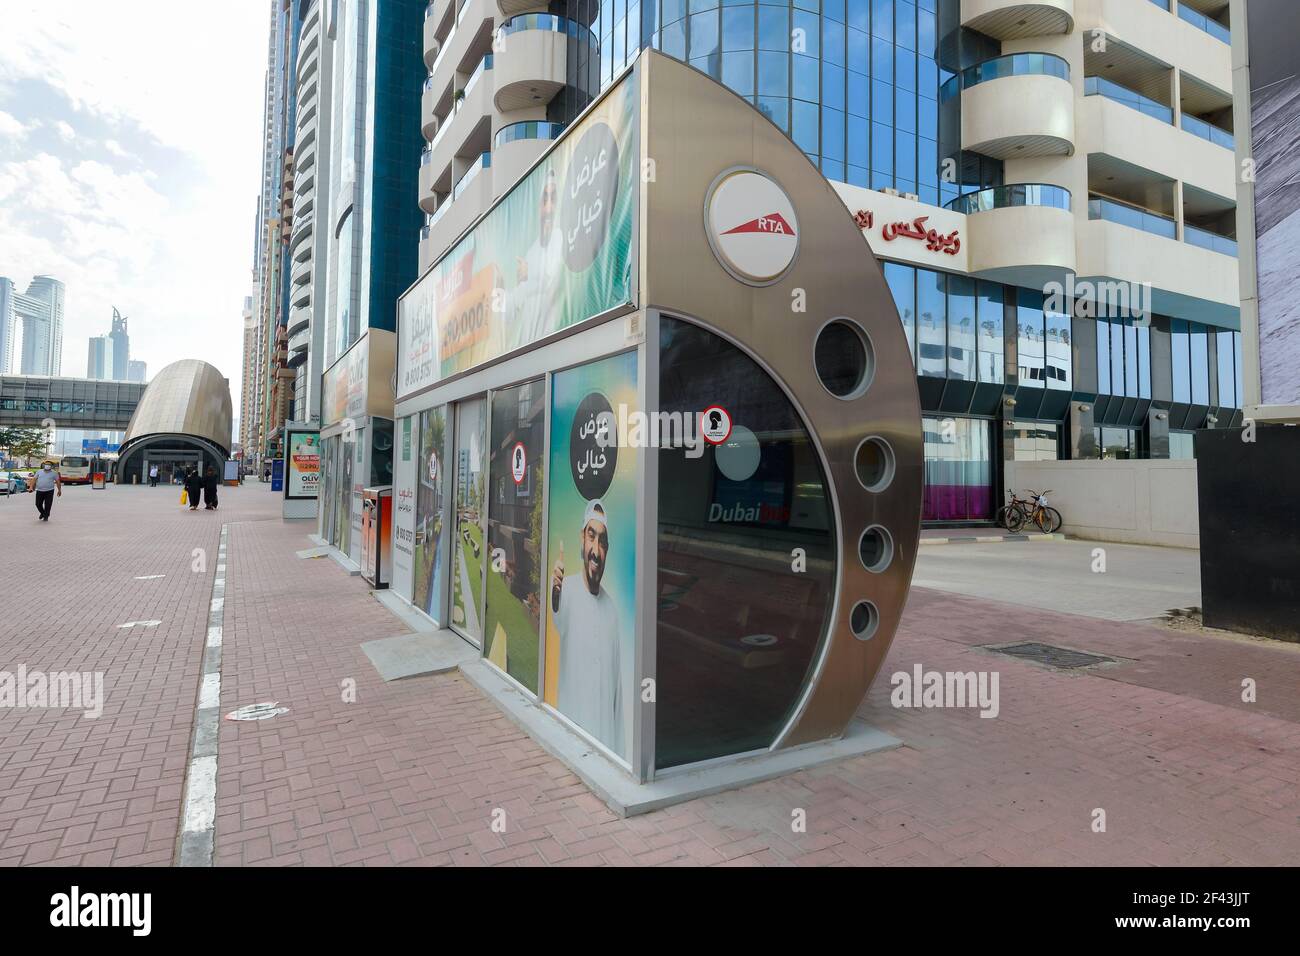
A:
(1134, 502)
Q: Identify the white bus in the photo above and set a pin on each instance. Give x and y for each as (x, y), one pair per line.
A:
(74, 469)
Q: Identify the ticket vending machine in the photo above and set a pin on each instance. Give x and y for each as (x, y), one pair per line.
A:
(376, 534)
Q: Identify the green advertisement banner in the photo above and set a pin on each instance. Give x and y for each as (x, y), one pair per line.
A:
(555, 251)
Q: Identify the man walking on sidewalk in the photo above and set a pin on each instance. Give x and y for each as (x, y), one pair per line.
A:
(153, 476)
(47, 483)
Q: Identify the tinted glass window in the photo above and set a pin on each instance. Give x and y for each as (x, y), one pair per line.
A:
(738, 630)
(961, 328)
(990, 333)
(1030, 346)
(931, 319)
(430, 468)
(514, 572)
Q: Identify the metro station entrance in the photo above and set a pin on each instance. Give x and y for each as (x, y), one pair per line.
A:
(172, 465)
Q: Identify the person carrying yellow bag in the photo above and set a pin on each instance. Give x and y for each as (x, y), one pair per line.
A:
(193, 486)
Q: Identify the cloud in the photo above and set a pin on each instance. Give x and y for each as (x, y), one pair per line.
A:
(10, 127)
(166, 236)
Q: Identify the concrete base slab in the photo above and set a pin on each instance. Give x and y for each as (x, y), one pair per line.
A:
(314, 552)
(410, 655)
(346, 563)
(628, 798)
(959, 538)
(403, 610)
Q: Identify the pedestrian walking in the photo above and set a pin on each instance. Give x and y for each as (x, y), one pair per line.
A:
(210, 489)
(153, 476)
(193, 485)
(48, 483)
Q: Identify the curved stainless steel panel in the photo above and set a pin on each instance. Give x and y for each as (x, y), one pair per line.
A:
(189, 397)
(695, 130)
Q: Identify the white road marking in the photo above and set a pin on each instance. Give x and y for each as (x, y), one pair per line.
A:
(201, 795)
(210, 692)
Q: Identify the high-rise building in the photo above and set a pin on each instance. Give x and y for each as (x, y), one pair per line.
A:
(109, 355)
(370, 236)
(1049, 184)
(375, 130)
(40, 312)
(267, 384)
(308, 245)
(99, 357)
(137, 371)
(8, 329)
(121, 347)
(248, 372)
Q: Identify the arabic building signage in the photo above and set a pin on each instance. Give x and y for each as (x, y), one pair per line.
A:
(904, 230)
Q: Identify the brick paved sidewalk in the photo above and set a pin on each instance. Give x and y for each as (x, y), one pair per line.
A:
(411, 772)
(108, 790)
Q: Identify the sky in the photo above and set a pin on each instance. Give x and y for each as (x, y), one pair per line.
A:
(130, 162)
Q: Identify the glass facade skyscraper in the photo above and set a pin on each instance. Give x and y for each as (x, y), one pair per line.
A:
(989, 120)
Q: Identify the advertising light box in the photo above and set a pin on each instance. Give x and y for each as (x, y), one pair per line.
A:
(555, 251)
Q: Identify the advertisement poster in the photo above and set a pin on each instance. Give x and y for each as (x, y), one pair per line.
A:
(591, 530)
(344, 385)
(555, 251)
(514, 574)
(303, 466)
(404, 491)
(429, 478)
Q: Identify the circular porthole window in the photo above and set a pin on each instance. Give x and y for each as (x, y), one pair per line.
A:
(876, 549)
(874, 464)
(844, 359)
(864, 620)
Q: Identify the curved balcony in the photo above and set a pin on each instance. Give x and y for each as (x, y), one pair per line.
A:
(1021, 234)
(299, 320)
(533, 55)
(466, 127)
(469, 38)
(428, 115)
(304, 182)
(510, 8)
(1016, 106)
(302, 229)
(516, 147)
(1018, 19)
(428, 198)
(468, 200)
(434, 16)
(300, 279)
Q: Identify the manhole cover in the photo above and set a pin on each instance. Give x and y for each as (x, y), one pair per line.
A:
(1053, 656)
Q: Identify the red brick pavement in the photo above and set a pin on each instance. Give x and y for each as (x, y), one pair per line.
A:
(410, 773)
(108, 790)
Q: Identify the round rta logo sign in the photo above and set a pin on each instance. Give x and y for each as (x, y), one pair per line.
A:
(751, 225)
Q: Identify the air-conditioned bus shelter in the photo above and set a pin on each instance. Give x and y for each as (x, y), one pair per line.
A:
(657, 450)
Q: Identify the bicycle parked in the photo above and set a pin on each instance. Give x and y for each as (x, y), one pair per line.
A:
(1031, 510)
